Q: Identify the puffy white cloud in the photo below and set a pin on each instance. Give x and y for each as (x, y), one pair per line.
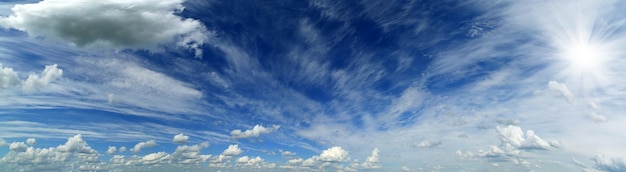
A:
(116, 24)
(18, 147)
(334, 154)
(154, 158)
(76, 144)
(609, 164)
(372, 161)
(8, 78)
(181, 138)
(35, 82)
(254, 132)
(31, 141)
(428, 144)
(562, 89)
(190, 154)
(295, 161)
(111, 150)
(142, 145)
(232, 150)
(3, 143)
(286, 153)
(122, 149)
(250, 162)
(514, 136)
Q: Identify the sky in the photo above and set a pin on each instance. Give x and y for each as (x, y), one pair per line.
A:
(313, 85)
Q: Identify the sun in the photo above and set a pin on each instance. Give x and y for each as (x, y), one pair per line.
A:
(583, 56)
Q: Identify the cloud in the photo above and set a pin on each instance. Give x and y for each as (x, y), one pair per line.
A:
(246, 161)
(190, 154)
(76, 144)
(122, 149)
(596, 117)
(513, 135)
(232, 150)
(111, 150)
(286, 153)
(117, 24)
(609, 164)
(35, 82)
(3, 143)
(372, 161)
(181, 138)
(561, 89)
(428, 144)
(8, 78)
(141, 145)
(334, 154)
(254, 132)
(18, 147)
(31, 141)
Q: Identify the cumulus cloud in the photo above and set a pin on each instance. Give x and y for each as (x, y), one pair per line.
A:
(31, 141)
(74, 152)
(18, 147)
(142, 145)
(35, 82)
(8, 78)
(254, 132)
(562, 90)
(111, 150)
(76, 144)
(334, 154)
(190, 154)
(513, 135)
(116, 24)
(246, 161)
(180, 138)
(232, 150)
(122, 149)
(428, 144)
(609, 164)
(372, 161)
(286, 153)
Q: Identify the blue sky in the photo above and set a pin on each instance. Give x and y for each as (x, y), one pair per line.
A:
(316, 85)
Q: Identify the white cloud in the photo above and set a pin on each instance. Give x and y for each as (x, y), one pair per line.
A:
(116, 24)
(8, 78)
(295, 161)
(31, 141)
(562, 89)
(35, 82)
(122, 149)
(76, 144)
(190, 154)
(18, 147)
(111, 98)
(596, 117)
(155, 158)
(334, 154)
(372, 161)
(142, 145)
(286, 153)
(254, 132)
(514, 136)
(232, 150)
(111, 150)
(428, 144)
(246, 161)
(3, 143)
(609, 164)
(181, 138)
